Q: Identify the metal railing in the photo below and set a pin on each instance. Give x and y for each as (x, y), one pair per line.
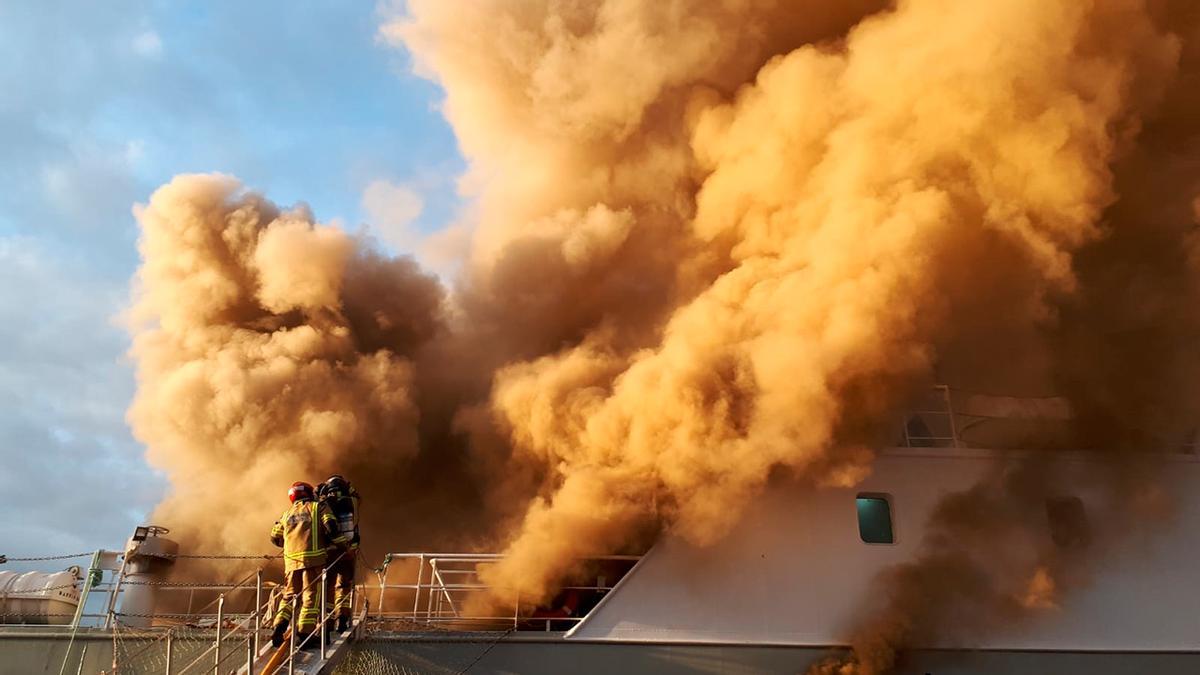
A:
(232, 634)
(217, 627)
(443, 586)
(932, 424)
(295, 646)
(236, 634)
(946, 417)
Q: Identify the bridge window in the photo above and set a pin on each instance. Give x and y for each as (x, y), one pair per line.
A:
(875, 519)
(1068, 522)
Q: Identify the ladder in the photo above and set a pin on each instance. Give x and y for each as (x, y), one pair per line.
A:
(285, 660)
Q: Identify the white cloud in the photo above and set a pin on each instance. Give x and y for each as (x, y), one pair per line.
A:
(391, 209)
(147, 44)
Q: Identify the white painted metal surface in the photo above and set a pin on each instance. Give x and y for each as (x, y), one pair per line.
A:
(796, 572)
(148, 555)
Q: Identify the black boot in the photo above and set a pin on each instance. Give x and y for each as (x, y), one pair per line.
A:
(310, 640)
(278, 633)
(343, 623)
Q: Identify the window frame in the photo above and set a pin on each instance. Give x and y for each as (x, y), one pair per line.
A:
(891, 512)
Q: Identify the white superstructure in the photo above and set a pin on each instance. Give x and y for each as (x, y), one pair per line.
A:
(797, 572)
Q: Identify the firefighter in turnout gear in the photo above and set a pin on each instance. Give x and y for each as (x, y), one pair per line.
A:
(306, 531)
(342, 500)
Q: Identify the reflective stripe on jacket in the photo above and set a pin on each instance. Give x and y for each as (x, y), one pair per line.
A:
(305, 531)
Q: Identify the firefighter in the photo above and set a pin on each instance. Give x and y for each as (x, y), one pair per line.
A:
(342, 500)
(305, 531)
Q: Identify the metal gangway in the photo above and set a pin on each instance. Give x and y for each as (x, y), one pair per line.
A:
(129, 615)
(318, 653)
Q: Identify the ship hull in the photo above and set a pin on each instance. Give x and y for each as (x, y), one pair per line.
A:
(551, 654)
(481, 655)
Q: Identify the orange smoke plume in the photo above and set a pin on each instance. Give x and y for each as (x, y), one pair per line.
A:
(264, 356)
(711, 242)
(828, 223)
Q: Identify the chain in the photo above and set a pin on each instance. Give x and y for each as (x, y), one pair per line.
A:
(193, 584)
(39, 590)
(65, 556)
(185, 556)
(260, 556)
(169, 615)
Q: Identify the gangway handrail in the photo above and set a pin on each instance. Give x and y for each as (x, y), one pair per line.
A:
(442, 580)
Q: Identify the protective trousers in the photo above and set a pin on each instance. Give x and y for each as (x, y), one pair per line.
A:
(305, 583)
(341, 583)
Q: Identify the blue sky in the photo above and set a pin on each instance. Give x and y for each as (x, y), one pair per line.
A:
(101, 102)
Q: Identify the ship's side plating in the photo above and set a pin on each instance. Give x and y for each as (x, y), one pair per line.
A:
(787, 585)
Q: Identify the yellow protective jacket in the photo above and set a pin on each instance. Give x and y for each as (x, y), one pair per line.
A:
(306, 531)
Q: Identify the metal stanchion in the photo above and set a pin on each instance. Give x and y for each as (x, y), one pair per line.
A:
(170, 648)
(417, 591)
(258, 603)
(220, 617)
(292, 646)
(383, 583)
(432, 575)
(324, 614)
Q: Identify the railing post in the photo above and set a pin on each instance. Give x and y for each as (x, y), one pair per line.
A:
(114, 592)
(357, 631)
(87, 587)
(429, 603)
(250, 652)
(220, 618)
(417, 591)
(82, 659)
(292, 646)
(324, 618)
(517, 609)
(950, 412)
(170, 648)
(383, 582)
(257, 608)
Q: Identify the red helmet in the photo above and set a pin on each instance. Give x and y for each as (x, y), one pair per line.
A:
(300, 491)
